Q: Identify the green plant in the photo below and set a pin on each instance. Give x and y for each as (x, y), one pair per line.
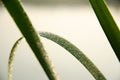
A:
(108, 24)
(11, 57)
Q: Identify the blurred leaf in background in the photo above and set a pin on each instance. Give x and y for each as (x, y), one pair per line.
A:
(67, 2)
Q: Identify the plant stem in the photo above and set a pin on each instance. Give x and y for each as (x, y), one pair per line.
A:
(21, 19)
(108, 24)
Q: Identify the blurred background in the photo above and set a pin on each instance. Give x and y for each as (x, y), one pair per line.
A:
(72, 19)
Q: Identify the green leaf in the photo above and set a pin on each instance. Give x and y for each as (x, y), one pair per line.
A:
(20, 17)
(76, 53)
(108, 24)
(11, 58)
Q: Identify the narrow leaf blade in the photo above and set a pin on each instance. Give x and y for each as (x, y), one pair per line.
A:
(11, 58)
(108, 24)
(79, 55)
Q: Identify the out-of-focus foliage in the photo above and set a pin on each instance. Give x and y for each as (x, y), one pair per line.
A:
(66, 2)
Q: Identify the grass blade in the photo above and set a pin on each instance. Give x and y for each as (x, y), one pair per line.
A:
(11, 58)
(76, 53)
(20, 17)
(108, 24)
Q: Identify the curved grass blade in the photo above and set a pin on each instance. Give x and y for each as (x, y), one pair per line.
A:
(76, 53)
(11, 58)
(108, 24)
(20, 17)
